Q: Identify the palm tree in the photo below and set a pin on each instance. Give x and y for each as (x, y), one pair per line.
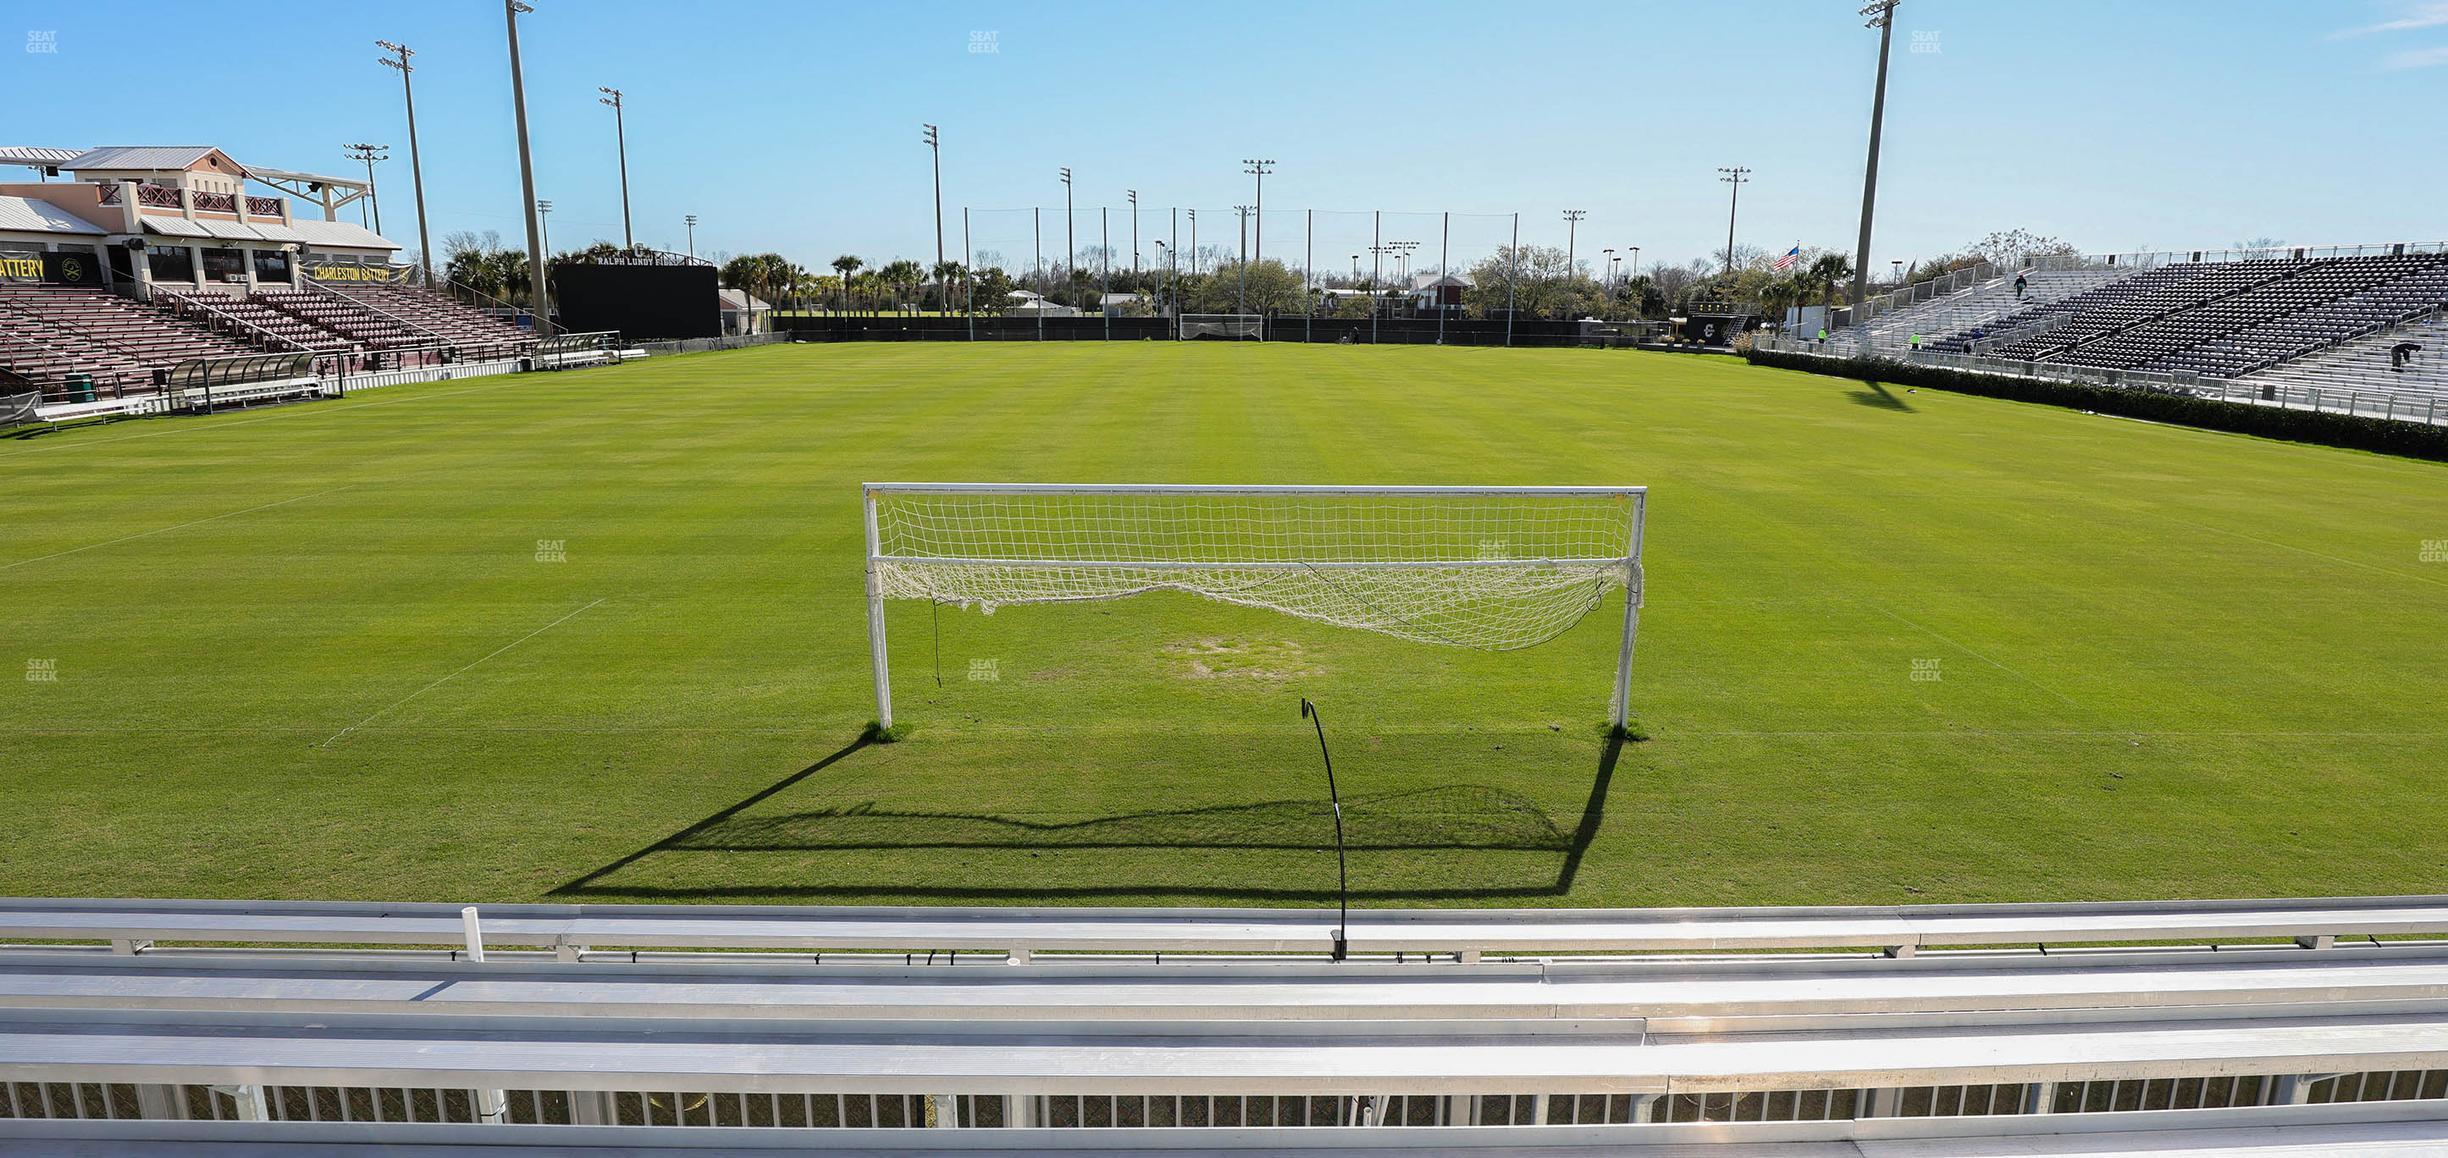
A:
(847, 265)
(1827, 271)
(945, 273)
(903, 275)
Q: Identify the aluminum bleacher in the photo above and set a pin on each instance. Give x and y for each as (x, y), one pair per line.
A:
(2393, 1131)
(839, 1021)
(2365, 364)
(435, 314)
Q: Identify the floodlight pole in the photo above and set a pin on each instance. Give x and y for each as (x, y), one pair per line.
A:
(691, 219)
(934, 144)
(1735, 177)
(1882, 17)
(416, 166)
(369, 154)
(1572, 225)
(1259, 167)
(1134, 204)
(1342, 938)
(1070, 246)
(535, 231)
(620, 136)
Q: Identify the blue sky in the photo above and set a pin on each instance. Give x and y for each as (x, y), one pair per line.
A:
(795, 126)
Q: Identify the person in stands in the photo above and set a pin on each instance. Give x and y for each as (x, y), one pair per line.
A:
(2021, 284)
(2402, 353)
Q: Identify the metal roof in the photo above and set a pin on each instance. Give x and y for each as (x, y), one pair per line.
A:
(338, 234)
(35, 155)
(139, 157)
(26, 215)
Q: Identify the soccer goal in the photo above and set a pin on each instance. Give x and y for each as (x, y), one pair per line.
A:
(1233, 327)
(1489, 568)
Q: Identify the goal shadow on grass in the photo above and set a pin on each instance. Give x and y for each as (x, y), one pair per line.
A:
(1445, 820)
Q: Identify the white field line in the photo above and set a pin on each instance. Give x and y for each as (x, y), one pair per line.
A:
(167, 530)
(336, 737)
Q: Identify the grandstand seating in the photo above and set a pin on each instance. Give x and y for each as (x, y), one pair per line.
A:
(2363, 364)
(1977, 308)
(258, 322)
(52, 332)
(2214, 319)
(448, 320)
(347, 317)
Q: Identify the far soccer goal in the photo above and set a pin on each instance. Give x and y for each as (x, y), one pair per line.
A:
(1232, 327)
(1489, 568)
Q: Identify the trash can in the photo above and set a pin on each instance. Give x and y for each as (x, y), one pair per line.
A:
(80, 388)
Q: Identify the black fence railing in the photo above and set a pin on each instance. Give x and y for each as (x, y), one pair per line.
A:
(1407, 330)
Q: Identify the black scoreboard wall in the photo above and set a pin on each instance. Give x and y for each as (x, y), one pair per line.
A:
(644, 302)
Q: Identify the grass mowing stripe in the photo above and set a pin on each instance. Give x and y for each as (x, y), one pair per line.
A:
(336, 737)
(167, 530)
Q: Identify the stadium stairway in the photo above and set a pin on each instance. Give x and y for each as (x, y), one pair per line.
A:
(2362, 364)
(1974, 308)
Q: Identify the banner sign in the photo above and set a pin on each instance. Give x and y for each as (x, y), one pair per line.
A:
(326, 268)
(21, 265)
(72, 267)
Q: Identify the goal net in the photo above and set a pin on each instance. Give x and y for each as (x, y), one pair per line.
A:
(1228, 326)
(1491, 568)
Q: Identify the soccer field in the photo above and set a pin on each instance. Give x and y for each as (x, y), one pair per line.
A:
(600, 636)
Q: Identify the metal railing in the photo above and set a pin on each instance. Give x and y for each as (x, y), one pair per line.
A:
(2388, 404)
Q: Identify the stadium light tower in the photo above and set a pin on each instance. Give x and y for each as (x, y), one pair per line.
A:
(620, 134)
(1070, 249)
(692, 233)
(1572, 224)
(416, 165)
(1259, 167)
(544, 225)
(1606, 277)
(535, 230)
(934, 144)
(370, 154)
(1882, 17)
(1734, 176)
(1133, 194)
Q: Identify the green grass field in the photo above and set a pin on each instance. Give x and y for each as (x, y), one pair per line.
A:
(311, 651)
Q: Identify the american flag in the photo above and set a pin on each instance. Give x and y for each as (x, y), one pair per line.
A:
(1791, 256)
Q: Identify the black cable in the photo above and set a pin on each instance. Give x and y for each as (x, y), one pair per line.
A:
(1342, 940)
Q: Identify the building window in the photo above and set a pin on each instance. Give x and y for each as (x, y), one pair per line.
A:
(224, 265)
(271, 265)
(171, 264)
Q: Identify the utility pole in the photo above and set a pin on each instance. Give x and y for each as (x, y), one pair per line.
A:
(416, 164)
(1882, 17)
(1572, 225)
(1259, 167)
(1134, 204)
(1734, 176)
(535, 228)
(1070, 249)
(1241, 295)
(370, 154)
(692, 234)
(620, 134)
(934, 144)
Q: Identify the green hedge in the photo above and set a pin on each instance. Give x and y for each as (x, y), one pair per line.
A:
(2354, 432)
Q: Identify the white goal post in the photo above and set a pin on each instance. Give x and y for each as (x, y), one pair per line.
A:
(1490, 568)
(1234, 326)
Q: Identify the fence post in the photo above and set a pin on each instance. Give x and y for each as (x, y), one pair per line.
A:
(473, 931)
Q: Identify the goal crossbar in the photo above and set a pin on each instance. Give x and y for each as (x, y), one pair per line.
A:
(1487, 567)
